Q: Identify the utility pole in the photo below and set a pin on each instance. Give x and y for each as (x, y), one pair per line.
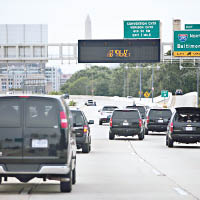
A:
(124, 82)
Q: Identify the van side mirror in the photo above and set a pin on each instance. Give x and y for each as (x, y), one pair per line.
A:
(99, 110)
(91, 122)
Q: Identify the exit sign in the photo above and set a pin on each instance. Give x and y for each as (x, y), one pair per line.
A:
(192, 26)
(142, 29)
(164, 93)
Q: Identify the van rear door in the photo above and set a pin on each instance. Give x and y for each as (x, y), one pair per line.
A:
(11, 130)
(44, 140)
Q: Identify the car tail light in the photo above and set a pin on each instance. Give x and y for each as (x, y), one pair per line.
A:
(147, 119)
(110, 122)
(23, 96)
(63, 120)
(85, 129)
(171, 127)
(140, 123)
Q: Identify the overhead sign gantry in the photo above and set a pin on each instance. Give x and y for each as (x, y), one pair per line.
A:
(119, 51)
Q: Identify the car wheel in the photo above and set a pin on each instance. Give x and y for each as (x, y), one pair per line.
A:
(66, 186)
(74, 176)
(170, 142)
(86, 148)
(141, 136)
(166, 140)
(146, 131)
(111, 136)
(100, 122)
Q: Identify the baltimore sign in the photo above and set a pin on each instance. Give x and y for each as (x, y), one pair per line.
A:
(187, 43)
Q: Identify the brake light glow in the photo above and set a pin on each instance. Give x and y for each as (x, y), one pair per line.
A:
(140, 123)
(110, 122)
(147, 119)
(171, 127)
(85, 129)
(63, 120)
(23, 96)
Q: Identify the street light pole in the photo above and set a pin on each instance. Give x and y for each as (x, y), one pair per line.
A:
(140, 81)
(152, 89)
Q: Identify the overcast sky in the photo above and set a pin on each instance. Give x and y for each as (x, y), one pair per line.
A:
(66, 18)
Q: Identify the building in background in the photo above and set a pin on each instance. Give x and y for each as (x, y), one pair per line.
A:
(64, 78)
(53, 77)
(16, 75)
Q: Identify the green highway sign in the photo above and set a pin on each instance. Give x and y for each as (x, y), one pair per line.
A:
(187, 41)
(142, 29)
(192, 26)
(164, 93)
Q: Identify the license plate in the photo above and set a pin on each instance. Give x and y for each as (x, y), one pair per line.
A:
(125, 124)
(36, 143)
(188, 128)
(160, 121)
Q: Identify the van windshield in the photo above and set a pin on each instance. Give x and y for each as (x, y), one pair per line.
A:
(126, 114)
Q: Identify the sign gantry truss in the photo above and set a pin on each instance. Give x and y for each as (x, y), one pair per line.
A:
(69, 52)
(38, 52)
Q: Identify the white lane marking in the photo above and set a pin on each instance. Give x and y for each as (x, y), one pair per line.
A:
(180, 191)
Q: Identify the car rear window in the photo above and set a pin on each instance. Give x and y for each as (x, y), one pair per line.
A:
(78, 119)
(126, 114)
(140, 108)
(10, 113)
(155, 114)
(109, 108)
(188, 116)
(41, 113)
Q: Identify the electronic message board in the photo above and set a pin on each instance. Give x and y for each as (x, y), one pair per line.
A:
(119, 51)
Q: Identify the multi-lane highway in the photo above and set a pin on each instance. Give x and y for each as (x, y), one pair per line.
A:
(125, 168)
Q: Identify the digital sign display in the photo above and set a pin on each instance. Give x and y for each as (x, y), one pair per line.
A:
(119, 51)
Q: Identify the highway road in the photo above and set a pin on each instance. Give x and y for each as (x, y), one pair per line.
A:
(125, 168)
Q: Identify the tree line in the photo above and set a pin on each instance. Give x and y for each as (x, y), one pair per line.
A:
(125, 80)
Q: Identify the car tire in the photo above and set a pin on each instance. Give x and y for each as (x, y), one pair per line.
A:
(146, 131)
(74, 176)
(86, 148)
(170, 142)
(100, 122)
(111, 136)
(0, 180)
(66, 186)
(141, 136)
(166, 140)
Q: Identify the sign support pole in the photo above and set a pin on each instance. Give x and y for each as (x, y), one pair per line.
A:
(198, 66)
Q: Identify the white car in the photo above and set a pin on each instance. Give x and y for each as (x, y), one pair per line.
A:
(105, 114)
(90, 102)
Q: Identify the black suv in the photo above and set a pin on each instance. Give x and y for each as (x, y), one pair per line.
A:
(126, 123)
(141, 109)
(157, 120)
(184, 126)
(36, 140)
(82, 129)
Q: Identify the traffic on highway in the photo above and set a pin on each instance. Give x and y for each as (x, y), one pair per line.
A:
(49, 148)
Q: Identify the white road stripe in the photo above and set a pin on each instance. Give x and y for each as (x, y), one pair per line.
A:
(180, 191)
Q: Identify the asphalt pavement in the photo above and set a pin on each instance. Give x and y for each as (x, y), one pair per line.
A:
(124, 168)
